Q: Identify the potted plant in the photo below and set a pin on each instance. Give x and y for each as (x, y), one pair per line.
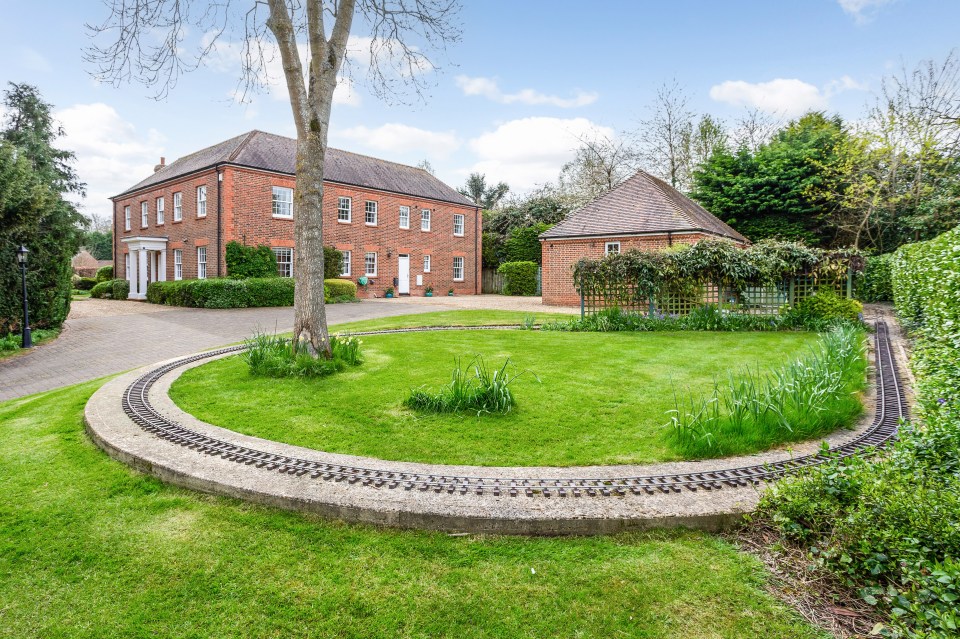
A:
(450, 292)
(388, 292)
(429, 291)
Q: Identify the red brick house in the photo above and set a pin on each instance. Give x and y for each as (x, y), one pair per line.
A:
(396, 225)
(643, 213)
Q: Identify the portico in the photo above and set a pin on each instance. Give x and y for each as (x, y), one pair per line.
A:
(146, 261)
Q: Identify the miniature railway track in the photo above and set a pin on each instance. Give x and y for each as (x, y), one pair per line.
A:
(890, 409)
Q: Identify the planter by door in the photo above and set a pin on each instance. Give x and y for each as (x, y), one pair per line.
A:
(403, 275)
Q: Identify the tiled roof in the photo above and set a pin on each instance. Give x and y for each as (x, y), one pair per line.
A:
(270, 152)
(642, 204)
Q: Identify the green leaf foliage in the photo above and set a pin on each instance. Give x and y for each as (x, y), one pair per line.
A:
(332, 262)
(223, 293)
(519, 278)
(104, 273)
(250, 261)
(875, 284)
(523, 245)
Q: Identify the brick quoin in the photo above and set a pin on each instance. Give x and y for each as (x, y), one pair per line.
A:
(246, 216)
(560, 256)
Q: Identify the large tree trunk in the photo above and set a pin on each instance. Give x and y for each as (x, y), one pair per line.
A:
(310, 313)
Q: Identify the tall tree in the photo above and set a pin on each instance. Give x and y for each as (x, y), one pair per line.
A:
(601, 164)
(664, 136)
(398, 32)
(36, 178)
(486, 197)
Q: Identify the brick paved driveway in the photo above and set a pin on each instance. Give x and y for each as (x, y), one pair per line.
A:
(104, 337)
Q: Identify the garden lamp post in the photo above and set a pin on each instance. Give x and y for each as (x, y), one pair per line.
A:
(26, 342)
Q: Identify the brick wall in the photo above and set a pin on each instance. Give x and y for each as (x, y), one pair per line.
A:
(247, 217)
(559, 257)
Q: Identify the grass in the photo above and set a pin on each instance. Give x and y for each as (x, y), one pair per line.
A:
(90, 549)
(487, 390)
(450, 318)
(10, 344)
(603, 399)
(808, 397)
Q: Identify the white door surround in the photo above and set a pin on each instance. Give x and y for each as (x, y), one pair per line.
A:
(403, 275)
(143, 267)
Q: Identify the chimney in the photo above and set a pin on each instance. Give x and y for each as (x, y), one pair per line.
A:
(163, 163)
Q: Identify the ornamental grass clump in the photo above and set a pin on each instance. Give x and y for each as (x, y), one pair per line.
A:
(269, 355)
(486, 390)
(802, 399)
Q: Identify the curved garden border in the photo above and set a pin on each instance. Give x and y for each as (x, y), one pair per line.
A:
(477, 499)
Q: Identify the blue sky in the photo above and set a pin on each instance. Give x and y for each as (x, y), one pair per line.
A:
(509, 100)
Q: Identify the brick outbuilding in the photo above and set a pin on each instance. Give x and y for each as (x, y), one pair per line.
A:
(397, 226)
(643, 213)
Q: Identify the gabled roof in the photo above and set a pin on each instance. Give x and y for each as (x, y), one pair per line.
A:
(260, 150)
(642, 204)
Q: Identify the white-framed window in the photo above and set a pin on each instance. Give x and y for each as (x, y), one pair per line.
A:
(404, 217)
(345, 269)
(178, 264)
(370, 213)
(457, 224)
(426, 263)
(177, 207)
(126, 218)
(144, 215)
(284, 261)
(611, 247)
(370, 264)
(282, 202)
(344, 209)
(201, 262)
(458, 269)
(159, 211)
(425, 220)
(201, 201)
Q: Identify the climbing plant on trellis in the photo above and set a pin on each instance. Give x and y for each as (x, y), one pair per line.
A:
(762, 279)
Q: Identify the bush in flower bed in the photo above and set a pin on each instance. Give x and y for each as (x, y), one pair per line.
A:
(111, 289)
(274, 356)
(335, 290)
(889, 526)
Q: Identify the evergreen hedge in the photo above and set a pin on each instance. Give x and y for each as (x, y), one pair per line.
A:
(875, 283)
(111, 289)
(104, 273)
(250, 261)
(519, 278)
(233, 293)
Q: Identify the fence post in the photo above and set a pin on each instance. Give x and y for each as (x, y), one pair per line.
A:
(581, 305)
(850, 282)
(793, 280)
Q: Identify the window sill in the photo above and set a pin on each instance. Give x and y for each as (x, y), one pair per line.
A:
(283, 217)
(369, 224)
(458, 235)
(339, 221)
(177, 222)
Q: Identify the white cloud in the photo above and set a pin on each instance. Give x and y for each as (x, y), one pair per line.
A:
(531, 151)
(400, 138)
(488, 88)
(862, 10)
(789, 97)
(111, 154)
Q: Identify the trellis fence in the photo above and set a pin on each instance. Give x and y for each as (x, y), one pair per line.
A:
(756, 299)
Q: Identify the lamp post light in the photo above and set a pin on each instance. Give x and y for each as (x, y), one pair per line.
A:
(26, 341)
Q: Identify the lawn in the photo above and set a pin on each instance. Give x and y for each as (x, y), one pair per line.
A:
(10, 344)
(601, 398)
(89, 548)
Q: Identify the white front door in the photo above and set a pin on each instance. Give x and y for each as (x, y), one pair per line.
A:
(403, 275)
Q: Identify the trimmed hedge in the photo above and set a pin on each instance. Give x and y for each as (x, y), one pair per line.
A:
(519, 278)
(875, 284)
(334, 289)
(889, 525)
(111, 289)
(250, 261)
(104, 273)
(84, 283)
(223, 292)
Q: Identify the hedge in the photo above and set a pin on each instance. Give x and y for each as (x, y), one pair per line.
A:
(889, 525)
(335, 289)
(250, 261)
(223, 292)
(84, 283)
(104, 273)
(875, 284)
(111, 289)
(519, 278)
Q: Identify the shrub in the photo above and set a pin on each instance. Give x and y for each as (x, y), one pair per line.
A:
(332, 263)
(84, 283)
(519, 278)
(223, 293)
(823, 308)
(890, 525)
(102, 290)
(274, 356)
(250, 261)
(875, 284)
(486, 391)
(119, 289)
(523, 245)
(335, 290)
(104, 273)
